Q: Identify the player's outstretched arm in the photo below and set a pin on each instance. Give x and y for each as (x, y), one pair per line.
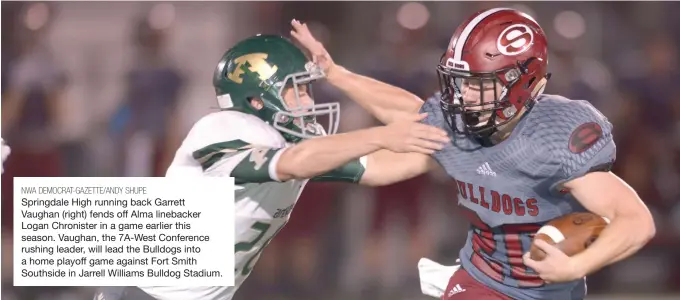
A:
(631, 224)
(386, 102)
(320, 155)
(334, 157)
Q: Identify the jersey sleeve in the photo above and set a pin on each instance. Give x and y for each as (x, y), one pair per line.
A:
(578, 139)
(235, 145)
(246, 162)
(350, 172)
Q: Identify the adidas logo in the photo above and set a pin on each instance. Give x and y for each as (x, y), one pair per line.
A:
(485, 169)
(455, 290)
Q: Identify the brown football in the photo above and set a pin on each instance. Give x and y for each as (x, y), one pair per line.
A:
(571, 233)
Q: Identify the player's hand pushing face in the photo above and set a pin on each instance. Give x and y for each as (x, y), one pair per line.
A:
(412, 136)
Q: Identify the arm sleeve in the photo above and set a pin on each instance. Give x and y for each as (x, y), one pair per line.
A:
(350, 172)
(579, 141)
(245, 162)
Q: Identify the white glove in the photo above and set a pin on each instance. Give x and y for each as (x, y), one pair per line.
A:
(434, 277)
(5, 153)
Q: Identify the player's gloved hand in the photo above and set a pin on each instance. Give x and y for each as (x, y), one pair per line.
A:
(410, 135)
(315, 48)
(555, 267)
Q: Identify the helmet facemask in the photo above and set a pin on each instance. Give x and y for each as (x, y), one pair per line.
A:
(302, 116)
(464, 117)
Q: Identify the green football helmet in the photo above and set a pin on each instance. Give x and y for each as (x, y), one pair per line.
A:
(263, 66)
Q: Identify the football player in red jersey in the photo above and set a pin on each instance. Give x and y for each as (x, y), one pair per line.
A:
(519, 158)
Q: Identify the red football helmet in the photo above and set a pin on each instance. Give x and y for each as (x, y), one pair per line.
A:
(500, 45)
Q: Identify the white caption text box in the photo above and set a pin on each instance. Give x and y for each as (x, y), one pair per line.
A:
(60, 240)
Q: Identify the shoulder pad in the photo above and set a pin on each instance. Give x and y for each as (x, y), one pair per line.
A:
(226, 126)
(573, 125)
(220, 142)
(575, 134)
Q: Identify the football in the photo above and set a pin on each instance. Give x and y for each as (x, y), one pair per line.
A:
(571, 233)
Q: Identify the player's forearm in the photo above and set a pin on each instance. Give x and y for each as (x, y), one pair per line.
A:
(382, 170)
(623, 237)
(317, 156)
(386, 102)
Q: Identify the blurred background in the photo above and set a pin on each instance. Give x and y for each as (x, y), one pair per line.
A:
(111, 88)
